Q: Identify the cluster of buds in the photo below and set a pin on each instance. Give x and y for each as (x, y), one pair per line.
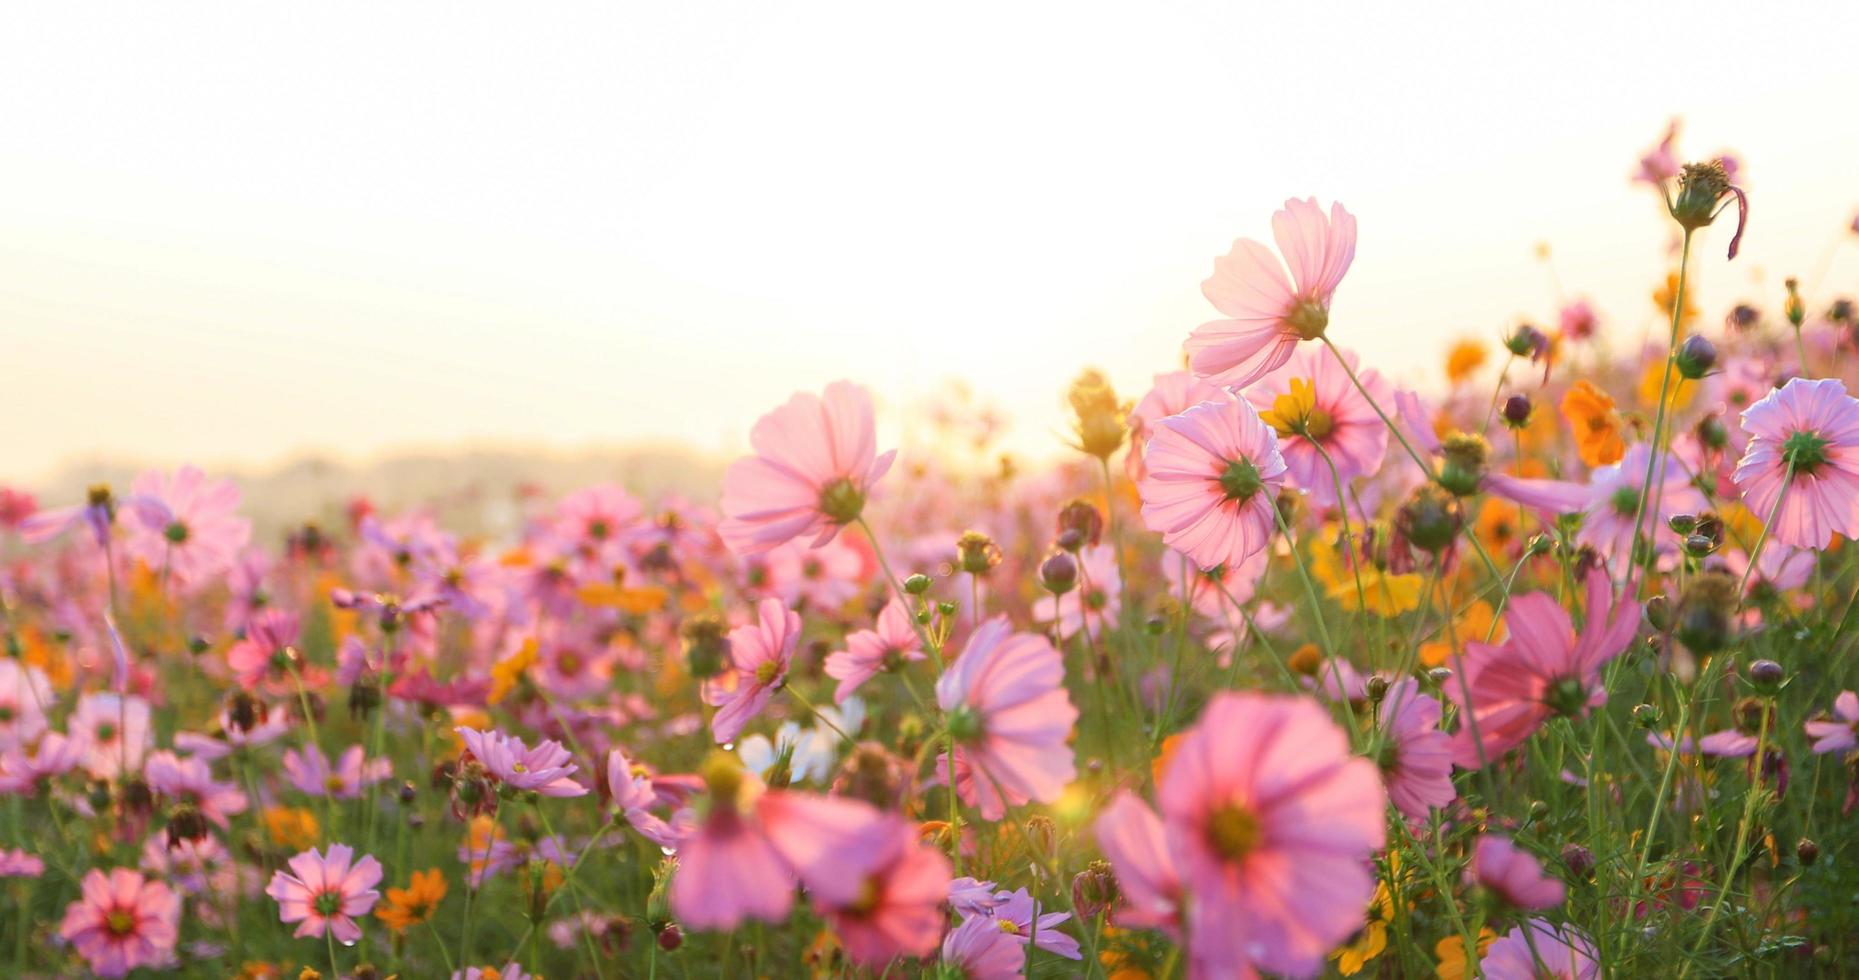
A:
(1700, 534)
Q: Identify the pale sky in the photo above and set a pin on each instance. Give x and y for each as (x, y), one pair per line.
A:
(232, 233)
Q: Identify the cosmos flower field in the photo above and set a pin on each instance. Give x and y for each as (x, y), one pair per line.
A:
(1542, 669)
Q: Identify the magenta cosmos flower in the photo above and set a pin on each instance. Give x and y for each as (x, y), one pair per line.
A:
(1544, 669)
(1272, 822)
(1513, 875)
(1841, 732)
(868, 652)
(1213, 471)
(815, 460)
(547, 769)
(325, 893)
(1316, 410)
(122, 921)
(1416, 757)
(1809, 429)
(759, 656)
(1009, 717)
(1270, 314)
(187, 526)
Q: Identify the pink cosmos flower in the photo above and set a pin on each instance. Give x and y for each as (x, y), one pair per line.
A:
(547, 769)
(191, 781)
(1213, 471)
(1095, 602)
(1272, 821)
(1010, 717)
(1614, 502)
(743, 859)
(509, 971)
(1811, 428)
(1174, 392)
(312, 774)
(981, 951)
(1315, 409)
(114, 734)
(188, 526)
(1416, 757)
(634, 797)
(1841, 733)
(24, 773)
(595, 520)
(261, 658)
(1515, 876)
(898, 908)
(815, 461)
(20, 864)
(759, 656)
(1537, 950)
(326, 892)
(1542, 669)
(1578, 320)
(868, 652)
(1209, 589)
(826, 576)
(1660, 164)
(122, 921)
(1133, 838)
(1270, 314)
(25, 693)
(1014, 913)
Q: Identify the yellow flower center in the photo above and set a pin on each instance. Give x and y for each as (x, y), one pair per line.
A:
(1233, 831)
(1295, 413)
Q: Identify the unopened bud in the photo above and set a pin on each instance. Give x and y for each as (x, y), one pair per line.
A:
(1517, 409)
(917, 584)
(1695, 356)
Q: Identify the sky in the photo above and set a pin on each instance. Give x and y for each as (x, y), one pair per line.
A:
(235, 233)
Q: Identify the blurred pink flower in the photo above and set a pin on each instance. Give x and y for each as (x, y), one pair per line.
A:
(1213, 471)
(1133, 839)
(187, 526)
(815, 462)
(1544, 669)
(191, 781)
(1660, 164)
(1515, 876)
(1270, 314)
(759, 656)
(326, 892)
(313, 775)
(122, 921)
(897, 910)
(1537, 950)
(634, 797)
(1174, 392)
(1272, 821)
(1811, 427)
(1841, 732)
(1010, 719)
(867, 652)
(25, 693)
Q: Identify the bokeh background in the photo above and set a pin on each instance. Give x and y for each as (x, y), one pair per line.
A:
(289, 241)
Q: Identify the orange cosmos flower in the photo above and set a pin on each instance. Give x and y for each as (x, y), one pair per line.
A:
(1590, 412)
